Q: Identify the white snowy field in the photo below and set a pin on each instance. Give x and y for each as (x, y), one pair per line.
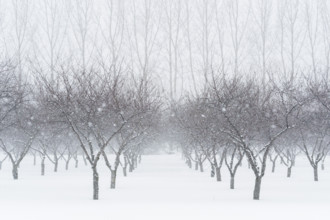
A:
(162, 187)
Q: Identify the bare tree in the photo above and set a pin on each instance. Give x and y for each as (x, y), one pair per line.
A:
(262, 17)
(243, 107)
(238, 24)
(88, 103)
(325, 18)
(24, 130)
(10, 96)
(112, 25)
(273, 158)
(189, 39)
(292, 36)
(81, 17)
(312, 17)
(21, 12)
(288, 156)
(143, 37)
(50, 42)
(173, 16)
(233, 158)
(313, 133)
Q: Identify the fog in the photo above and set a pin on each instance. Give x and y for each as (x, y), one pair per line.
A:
(114, 92)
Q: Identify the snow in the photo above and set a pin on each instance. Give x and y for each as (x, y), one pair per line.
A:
(163, 187)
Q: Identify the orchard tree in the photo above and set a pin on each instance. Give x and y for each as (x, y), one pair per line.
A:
(287, 150)
(254, 118)
(314, 134)
(87, 102)
(10, 95)
(233, 159)
(17, 139)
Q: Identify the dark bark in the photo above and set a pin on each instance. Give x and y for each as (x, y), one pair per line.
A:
(113, 179)
(67, 165)
(289, 172)
(196, 165)
(232, 182)
(77, 162)
(55, 166)
(257, 187)
(274, 165)
(218, 174)
(0, 165)
(316, 175)
(322, 166)
(201, 167)
(43, 166)
(212, 171)
(15, 172)
(125, 171)
(95, 184)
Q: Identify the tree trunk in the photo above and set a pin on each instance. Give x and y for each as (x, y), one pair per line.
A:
(196, 165)
(67, 165)
(189, 163)
(0, 165)
(232, 181)
(95, 184)
(15, 172)
(43, 166)
(76, 164)
(322, 166)
(55, 166)
(131, 168)
(289, 172)
(218, 174)
(125, 170)
(257, 186)
(113, 179)
(212, 171)
(273, 167)
(316, 175)
(201, 168)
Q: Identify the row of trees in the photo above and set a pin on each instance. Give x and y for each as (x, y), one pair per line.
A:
(96, 113)
(102, 114)
(84, 79)
(235, 118)
(179, 42)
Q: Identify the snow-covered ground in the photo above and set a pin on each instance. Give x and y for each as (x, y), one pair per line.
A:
(162, 188)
